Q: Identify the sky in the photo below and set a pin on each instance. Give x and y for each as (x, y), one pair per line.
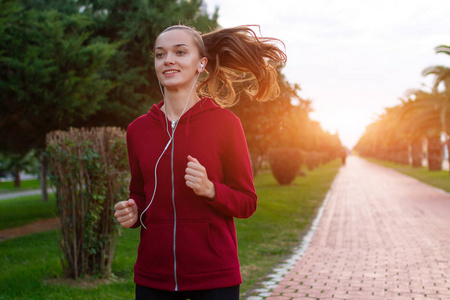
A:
(352, 58)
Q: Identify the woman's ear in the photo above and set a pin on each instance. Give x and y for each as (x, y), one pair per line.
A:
(203, 63)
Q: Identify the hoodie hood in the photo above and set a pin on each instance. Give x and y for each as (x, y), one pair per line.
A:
(201, 107)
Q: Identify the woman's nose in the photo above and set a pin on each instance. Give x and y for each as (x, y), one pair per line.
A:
(169, 59)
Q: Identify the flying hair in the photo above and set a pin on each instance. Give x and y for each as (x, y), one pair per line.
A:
(238, 57)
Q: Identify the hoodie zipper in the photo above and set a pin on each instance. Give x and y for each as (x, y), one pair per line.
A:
(174, 210)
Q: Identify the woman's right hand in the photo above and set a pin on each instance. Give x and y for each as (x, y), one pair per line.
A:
(126, 213)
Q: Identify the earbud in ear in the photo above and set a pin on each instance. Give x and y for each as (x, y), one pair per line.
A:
(201, 65)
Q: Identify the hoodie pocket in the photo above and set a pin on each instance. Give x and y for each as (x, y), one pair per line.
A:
(155, 253)
(195, 251)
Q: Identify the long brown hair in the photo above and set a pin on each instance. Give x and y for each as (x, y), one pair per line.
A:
(238, 56)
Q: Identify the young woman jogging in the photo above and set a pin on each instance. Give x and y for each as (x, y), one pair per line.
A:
(190, 168)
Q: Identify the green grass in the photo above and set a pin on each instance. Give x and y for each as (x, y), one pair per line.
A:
(32, 270)
(31, 267)
(439, 179)
(8, 186)
(24, 210)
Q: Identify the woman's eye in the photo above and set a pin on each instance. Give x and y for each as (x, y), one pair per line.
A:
(181, 52)
(159, 55)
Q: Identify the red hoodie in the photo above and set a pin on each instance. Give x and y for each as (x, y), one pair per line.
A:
(190, 241)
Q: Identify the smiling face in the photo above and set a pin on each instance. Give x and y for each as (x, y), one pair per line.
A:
(177, 59)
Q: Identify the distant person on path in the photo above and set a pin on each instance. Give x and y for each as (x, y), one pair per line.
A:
(190, 167)
(343, 155)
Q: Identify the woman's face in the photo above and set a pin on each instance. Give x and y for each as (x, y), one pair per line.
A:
(177, 59)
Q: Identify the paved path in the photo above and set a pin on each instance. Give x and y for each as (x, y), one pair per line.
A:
(382, 235)
(37, 226)
(23, 193)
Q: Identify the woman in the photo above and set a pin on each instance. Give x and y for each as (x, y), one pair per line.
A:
(190, 168)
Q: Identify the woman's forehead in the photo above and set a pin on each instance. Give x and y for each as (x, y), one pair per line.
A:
(175, 37)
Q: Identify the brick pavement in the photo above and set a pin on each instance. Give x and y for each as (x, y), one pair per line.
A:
(382, 235)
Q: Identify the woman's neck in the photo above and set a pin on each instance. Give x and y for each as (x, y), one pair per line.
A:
(175, 103)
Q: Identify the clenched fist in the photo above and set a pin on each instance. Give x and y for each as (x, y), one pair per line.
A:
(126, 213)
(197, 179)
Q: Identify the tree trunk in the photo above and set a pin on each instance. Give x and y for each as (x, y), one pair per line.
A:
(416, 153)
(255, 160)
(402, 153)
(402, 157)
(16, 173)
(43, 176)
(434, 154)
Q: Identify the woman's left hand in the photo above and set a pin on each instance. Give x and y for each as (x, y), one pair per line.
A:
(197, 179)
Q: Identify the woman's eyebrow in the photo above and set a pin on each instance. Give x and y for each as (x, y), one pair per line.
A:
(180, 45)
(174, 46)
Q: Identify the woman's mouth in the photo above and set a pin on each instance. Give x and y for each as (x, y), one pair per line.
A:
(170, 72)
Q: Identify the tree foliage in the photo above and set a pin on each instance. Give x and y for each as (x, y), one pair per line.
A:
(80, 63)
(16, 163)
(135, 25)
(50, 74)
(87, 63)
(283, 122)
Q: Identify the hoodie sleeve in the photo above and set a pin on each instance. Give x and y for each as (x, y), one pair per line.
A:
(236, 197)
(136, 187)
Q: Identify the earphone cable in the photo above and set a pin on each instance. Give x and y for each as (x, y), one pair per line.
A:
(171, 136)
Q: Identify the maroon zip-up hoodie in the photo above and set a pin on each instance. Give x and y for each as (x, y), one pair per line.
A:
(190, 241)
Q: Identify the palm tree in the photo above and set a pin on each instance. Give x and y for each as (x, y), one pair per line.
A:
(16, 163)
(406, 126)
(442, 76)
(422, 119)
(395, 135)
(385, 138)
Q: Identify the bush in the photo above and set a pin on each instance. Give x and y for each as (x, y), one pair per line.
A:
(89, 170)
(313, 160)
(285, 164)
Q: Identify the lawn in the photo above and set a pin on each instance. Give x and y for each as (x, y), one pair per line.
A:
(8, 186)
(439, 179)
(23, 210)
(284, 213)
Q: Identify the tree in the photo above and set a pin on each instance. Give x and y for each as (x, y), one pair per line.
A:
(80, 63)
(50, 74)
(135, 25)
(15, 163)
(284, 123)
(424, 115)
(385, 138)
(267, 124)
(415, 132)
(442, 76)
(404, 126)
